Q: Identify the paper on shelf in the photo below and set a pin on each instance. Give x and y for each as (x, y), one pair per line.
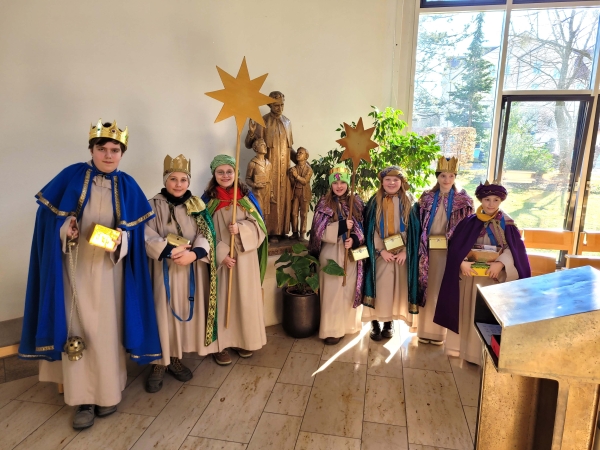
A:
(487, 329)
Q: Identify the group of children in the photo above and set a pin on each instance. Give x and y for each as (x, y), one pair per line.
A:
(159, 285)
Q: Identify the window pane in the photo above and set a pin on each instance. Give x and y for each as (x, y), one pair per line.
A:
(592, 212)
(551, 48)
(455, 80)
(538, 161)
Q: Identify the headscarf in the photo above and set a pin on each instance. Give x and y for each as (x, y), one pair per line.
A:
(221, 160)
(339, 172)
(487, 189)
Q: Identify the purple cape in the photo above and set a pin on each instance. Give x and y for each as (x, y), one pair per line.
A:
(466, 234)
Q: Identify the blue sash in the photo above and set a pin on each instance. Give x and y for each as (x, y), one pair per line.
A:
(435, 205)
(491, 233)
(168, 289)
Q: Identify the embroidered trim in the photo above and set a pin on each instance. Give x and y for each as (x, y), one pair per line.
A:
(51, 207)
(44, 349)
(413, 309)
(137, 222)
(117, 199)
(46, 357)
(86, 183)
(157, 355)
(368, 301)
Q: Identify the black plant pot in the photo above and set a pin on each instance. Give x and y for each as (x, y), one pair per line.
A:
(301, 314)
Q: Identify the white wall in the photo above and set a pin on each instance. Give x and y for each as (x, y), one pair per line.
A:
(148, 63)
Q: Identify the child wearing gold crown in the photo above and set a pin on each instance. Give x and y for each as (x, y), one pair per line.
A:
(89, 232)
(180, 242)
(391, 228)
(488, 226)
(333, 232)
(246, 331)
(441, 209)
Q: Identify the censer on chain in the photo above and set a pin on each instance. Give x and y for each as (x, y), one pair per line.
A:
(75, 345)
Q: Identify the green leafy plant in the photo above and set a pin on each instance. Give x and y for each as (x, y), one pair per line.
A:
(303, 278)
(410, 151)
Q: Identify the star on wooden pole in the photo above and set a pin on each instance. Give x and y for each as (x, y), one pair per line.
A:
(241, 98)
(357, 144)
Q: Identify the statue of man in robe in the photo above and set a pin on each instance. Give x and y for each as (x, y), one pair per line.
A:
(278, 137)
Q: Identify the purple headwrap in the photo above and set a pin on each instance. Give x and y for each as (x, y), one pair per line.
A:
(485, 190)
(391, 171)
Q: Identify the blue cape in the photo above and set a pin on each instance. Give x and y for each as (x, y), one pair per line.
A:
(44, 322)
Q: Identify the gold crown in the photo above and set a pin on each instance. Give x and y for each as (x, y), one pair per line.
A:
(111, 132)
(178, 164)
(339, 169)
(447, 165)
(495, 182)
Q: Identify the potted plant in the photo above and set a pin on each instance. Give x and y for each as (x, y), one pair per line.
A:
(298, 273)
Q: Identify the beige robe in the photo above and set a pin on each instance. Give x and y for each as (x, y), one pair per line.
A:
(391, 283)
(177, 337)
(437, 264)
(467, 344)
(246, 320)
(99, 377)
(338, 317)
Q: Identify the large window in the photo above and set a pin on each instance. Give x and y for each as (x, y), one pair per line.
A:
(509, 89)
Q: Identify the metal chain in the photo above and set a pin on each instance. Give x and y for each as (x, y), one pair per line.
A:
(74, 303)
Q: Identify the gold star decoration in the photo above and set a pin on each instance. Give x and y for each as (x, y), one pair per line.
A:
(357, 143)
(241, 97)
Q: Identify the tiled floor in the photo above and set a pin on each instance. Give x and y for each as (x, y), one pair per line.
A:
(292, 394)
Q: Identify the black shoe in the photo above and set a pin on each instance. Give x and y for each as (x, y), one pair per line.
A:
(332, 340)
(179, 371)
(375, 330)
(103, 411)
(295, 236)
(154, 382)
(388, 330)
(84, 417)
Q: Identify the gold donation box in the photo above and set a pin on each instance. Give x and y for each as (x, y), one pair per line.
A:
(103, 237)
(540, 389)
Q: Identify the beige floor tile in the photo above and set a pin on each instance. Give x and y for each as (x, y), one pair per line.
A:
(117, 431)
(198, 443)
(378, 436)
(352, 348)
(275, 330)
(133, 368)
(235, 409)
(311, 344)
(137, 401)
(471, 415)
(176, 420)
(424, 356)
(43, 392)
(299, 368)
(19, 419)
(433, 409)
(424, 447)
(275, 432)
(130, 379)
(467, 377)
(55, 433)
(314, 441)
(337, 400)
(289, 399)
(210, 374)
(272, 355)
(191, 363)
(384, 401)
(12, 389)
(385, 357)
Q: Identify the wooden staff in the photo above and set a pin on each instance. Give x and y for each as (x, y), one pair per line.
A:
(346, 251)
(233, 217)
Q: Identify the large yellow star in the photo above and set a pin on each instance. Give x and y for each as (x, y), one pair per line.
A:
(241, 97)
(357, 143)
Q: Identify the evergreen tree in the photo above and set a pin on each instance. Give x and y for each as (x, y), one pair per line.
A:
(466, 107)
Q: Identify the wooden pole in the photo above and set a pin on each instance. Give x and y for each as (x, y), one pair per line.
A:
(233, 217)
(349, 217)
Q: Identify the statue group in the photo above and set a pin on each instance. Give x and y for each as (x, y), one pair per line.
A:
(283, 193)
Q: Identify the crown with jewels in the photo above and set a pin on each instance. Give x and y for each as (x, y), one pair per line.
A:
(178, 164)
(447, 165)
(111, 132)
